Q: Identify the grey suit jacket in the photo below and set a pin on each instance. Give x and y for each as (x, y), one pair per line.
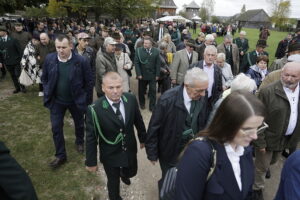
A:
(180, 64)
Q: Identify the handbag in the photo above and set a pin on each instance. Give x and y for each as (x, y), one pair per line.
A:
(167, 191)
(25, 79)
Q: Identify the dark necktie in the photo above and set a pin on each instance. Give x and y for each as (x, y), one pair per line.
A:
(193, 106)
(118, 112)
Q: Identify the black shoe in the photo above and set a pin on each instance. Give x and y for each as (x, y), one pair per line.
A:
(142, 107)
(16, 91)
(285, 154)
(257, 195)
(268, 174)
(80, 148)
(126, 180)
(57, 162)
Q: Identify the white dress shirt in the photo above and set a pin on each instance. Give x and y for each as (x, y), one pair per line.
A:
(122, 108)
(187, 100)
(211, 77)
(63, 61)
(293, 99)
(234, 158)
(188, 54)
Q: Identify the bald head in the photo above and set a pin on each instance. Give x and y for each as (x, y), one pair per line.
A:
(112, 86)
(290, 75)
(44, 38)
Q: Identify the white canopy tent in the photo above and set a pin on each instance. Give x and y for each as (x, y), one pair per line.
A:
(176, 18)
(196, 18)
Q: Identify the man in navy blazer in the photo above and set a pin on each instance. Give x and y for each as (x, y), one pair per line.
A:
(215, 87)
(68, 85)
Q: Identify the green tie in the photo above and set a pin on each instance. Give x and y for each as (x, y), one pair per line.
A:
(192, 109)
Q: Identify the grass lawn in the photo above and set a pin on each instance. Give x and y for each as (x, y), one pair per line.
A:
(26, 131)
(252, 35)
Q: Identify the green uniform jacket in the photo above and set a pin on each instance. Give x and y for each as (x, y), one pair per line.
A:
(243, 46)
(117, 155)
(278, 115)
(249, 59)
(146, 65)
(11, 51)
(14, 182)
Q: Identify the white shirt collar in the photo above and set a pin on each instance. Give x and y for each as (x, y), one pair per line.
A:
(186, 97)
(238, 152)
(60, 60)
(205, 65)
(111, 102)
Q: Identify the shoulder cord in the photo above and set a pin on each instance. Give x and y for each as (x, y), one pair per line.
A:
(214, 157)
(143, 62)
(97, 128)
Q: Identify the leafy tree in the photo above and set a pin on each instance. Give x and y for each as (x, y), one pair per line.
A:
(203, 14)
(215, 19)
(7, 6)
(207, 9)
(182, 13)
(35, 12)
(243, 10)
(280, 11)
(56, 9)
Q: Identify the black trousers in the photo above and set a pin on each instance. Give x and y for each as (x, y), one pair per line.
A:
(152, 92)
(164, 84)
(57, 113)
(15, 71)
(113, 178)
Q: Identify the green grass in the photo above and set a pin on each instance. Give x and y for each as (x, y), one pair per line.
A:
(252, 35)
(26, 130)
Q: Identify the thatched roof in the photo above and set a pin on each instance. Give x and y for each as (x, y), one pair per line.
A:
(167, 4)
(192, 5)
(250, 14)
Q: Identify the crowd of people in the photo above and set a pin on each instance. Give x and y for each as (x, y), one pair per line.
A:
(224, 93)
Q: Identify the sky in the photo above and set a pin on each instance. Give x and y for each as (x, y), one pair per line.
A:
(232, 7)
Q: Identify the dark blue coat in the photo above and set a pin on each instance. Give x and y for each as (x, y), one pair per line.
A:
(80, 77)
(193, 169)
(290, 179)
(255, 75)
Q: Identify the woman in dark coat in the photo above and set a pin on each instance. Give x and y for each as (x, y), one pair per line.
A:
(234, 126)
(259, 71)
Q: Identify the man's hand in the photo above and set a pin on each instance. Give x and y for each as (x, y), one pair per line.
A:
(142, 145)
(1, 65)
(139, 77)
(174, 82)
(92, 169)
(242, 53)
(153, 162)
(157, 78)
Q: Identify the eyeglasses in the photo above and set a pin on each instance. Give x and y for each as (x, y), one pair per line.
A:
(258, 131)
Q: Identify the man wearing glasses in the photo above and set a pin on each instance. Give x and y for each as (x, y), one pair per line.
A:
(281, 99)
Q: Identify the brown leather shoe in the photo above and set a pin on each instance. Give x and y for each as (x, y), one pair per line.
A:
(57, 162)
(80, 148)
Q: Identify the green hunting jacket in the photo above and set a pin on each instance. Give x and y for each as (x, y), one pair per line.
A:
(147, 65)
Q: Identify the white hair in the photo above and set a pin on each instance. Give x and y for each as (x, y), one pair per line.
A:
(210, 48)
(221, 56)
(195, 74)
(243, 33)
(243, 82)
(209, 37)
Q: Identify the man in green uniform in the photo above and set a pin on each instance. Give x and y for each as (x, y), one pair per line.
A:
(110, 123)
(147, 66)
(250, 57)
(242, 44)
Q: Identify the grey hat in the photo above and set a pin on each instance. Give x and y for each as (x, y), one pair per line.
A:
(3, 28)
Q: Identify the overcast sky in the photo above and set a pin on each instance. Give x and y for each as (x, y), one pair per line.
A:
(231, 7)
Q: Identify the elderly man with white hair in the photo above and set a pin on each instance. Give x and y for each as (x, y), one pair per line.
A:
(227, 75)
(215, 87)
(281, 100)
(242, 44)
(209, 40)
(178, 116)
(105, 62)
